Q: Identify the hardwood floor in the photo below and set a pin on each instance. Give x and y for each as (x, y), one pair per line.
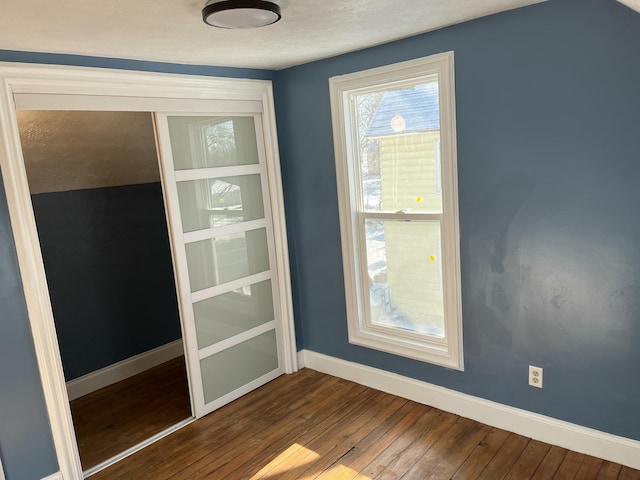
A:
(115, 418)
(313, 426)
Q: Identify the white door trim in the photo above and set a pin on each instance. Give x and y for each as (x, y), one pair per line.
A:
(80, 81)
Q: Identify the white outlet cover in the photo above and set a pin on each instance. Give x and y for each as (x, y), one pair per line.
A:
(535, 376)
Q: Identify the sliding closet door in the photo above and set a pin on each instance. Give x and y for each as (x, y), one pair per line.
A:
(217, 194)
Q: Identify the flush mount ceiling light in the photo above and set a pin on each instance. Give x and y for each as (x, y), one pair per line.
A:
(240, 13)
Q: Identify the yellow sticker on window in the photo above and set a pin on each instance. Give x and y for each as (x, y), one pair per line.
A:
(432, 258)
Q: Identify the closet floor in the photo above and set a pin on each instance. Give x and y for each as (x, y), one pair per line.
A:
(115, 418)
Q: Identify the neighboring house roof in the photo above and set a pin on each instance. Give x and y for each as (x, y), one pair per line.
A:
(418, 107)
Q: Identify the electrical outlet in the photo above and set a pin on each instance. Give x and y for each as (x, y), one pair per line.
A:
(535, 376)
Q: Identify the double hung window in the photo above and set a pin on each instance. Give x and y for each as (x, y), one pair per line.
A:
(394, 135)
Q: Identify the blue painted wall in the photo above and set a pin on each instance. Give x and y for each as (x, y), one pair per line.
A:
(26, 445)
(108, 263)
(548, 149)
(137, 65)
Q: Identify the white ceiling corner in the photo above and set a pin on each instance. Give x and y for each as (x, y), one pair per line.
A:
(173, 31)
(634, 4)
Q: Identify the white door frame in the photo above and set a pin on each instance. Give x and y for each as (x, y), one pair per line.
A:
(75, 88)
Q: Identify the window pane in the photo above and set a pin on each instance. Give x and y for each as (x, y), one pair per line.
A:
(398, 148)
(232, 313)
(202, 142)
(405, 275)
(222, 259)
(216, 202)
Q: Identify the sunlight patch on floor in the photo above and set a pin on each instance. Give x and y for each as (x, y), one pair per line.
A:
(336, 472)
(292, 457)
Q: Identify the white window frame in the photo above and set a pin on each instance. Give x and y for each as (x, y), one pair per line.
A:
(446, 352)
(436, 148)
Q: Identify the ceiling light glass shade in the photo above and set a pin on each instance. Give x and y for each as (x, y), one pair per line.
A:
(240, 13)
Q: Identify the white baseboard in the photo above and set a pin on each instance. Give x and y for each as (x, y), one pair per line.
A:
(301, 355)
(546, 429)
(106, 376)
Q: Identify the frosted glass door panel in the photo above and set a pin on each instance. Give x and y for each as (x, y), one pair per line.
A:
(234, 367)
(232, 313)
(218, 193)
(216, 202)
(205, 142)
(222, 259)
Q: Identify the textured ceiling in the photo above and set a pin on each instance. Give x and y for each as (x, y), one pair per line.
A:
(79, 150)
(173, 31)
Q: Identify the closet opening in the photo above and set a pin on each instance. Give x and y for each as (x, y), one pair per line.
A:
(95, 187)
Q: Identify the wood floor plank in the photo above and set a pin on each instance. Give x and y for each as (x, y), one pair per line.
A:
(482, 455)
(313, 426)
(609, 471)
(198, 463)
(278, 409)
(627, 473)
(303, 431)
(528, 462)
(452, 461)
(298, 450)
(444, 458)
(334, 443)
(550, 464)
(409, 447)
(222, 422)
(214, 426)
(589, 468)
(569, 467)
(506, 457)
(117, 417)
(327, 451)
(352, 455)
(442, 423)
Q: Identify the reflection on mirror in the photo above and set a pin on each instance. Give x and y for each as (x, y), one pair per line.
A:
(216, 202)
(205, 142)
(222, 259)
